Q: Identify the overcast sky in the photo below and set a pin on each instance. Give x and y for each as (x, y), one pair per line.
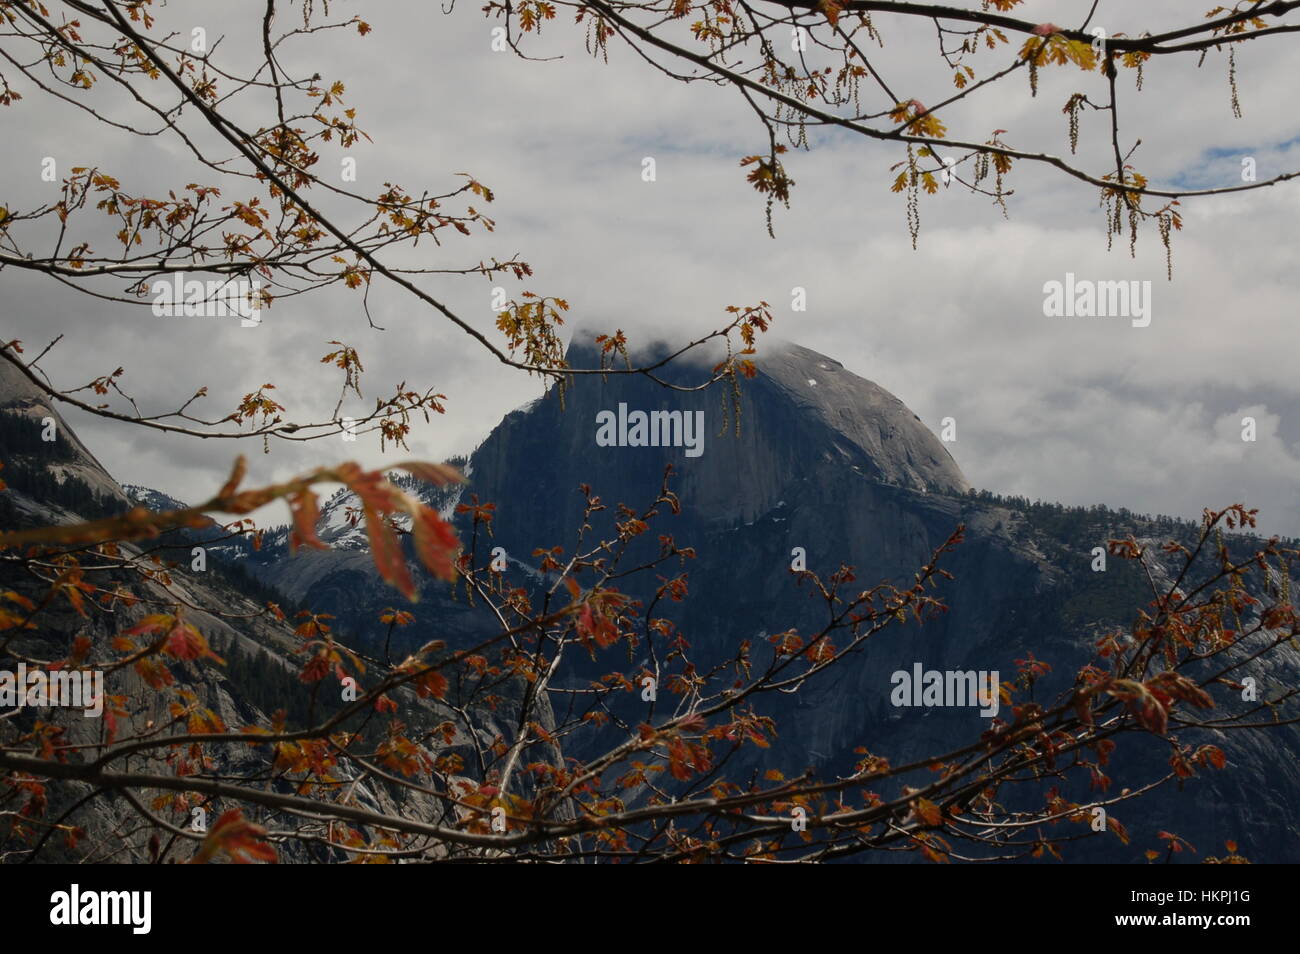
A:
(1077, 410)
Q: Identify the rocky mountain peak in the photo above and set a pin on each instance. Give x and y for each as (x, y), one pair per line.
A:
(67, 456)
(802, 417)
(862, 420)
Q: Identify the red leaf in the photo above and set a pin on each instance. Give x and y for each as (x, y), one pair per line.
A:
(152, 625)
(435, 543)
(387, 553)
(306, 514)
(317, 668)
(186, 642)
(691, 723)
(432, 683)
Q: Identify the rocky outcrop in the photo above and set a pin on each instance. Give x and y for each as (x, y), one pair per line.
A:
(830, 463)
(20, 397)
(233, 622)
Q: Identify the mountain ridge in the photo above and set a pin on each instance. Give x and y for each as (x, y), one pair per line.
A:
(799, 475)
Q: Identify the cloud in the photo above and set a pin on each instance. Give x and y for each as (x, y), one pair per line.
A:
(1066, 410)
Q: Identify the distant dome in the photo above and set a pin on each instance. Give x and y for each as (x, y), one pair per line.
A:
(901, 448)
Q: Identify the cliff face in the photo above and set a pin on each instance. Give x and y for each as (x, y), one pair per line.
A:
(802, 418)
(826, 462)
(830, 463)
(65, 455)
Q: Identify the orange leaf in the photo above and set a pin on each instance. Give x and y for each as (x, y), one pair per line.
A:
(928, 811)
(240, 840)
